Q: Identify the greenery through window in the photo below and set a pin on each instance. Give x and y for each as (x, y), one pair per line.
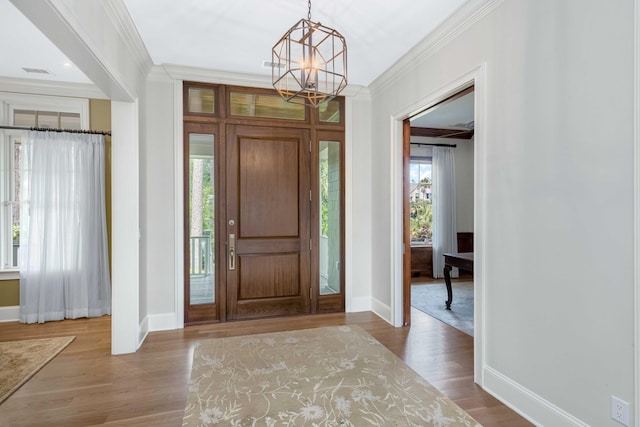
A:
(420, 211)
(330, 278)
(324, 198)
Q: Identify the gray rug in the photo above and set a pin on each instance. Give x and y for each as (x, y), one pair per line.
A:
(430, 298)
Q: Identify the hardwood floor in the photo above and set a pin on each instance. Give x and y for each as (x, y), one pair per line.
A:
(85, 385)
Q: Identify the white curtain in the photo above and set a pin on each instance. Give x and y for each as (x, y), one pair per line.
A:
(443, 192)
(64, 263)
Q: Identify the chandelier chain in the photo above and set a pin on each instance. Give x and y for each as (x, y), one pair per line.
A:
(309, 14)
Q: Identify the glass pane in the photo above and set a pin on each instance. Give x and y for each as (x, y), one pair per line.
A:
(420, 213)
(70, 120)
(329, 217)
(202, 100)
(268, 106)
(48, 119)
(201, 219)
(330, 111)
(24, 118)
(15, 211)
(15, 232)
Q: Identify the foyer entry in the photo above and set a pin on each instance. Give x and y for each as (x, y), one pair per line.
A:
(263, 205)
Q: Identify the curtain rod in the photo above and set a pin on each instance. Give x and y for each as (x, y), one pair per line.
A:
(92, 132)
(433, 145)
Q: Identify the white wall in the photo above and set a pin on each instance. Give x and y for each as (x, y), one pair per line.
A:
(464, 185)
(558, 198)
(358, 234)
(157, 197)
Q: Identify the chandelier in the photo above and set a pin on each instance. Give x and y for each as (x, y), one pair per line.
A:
(309, 63)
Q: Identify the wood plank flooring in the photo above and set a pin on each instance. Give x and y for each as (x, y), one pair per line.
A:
(85, 385)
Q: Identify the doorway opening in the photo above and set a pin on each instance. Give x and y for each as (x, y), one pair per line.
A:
(440, 175)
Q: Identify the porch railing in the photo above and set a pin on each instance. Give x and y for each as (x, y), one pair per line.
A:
(201, 260)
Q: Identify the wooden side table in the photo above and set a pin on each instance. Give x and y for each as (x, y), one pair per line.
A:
(463, 261)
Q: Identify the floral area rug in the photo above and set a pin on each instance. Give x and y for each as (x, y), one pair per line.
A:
(331, 376)
(20, 360)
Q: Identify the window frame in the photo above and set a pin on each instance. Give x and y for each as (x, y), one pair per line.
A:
(9, 102)
(419, 160)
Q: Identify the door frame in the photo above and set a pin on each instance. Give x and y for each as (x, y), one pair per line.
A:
(406, 222)
(477, 78)
(222, 116)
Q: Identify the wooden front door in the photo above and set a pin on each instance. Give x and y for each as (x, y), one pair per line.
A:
(267, 221)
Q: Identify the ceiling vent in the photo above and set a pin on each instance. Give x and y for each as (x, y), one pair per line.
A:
(270, 64)
(36, 70)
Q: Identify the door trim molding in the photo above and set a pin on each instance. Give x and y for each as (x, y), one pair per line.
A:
(636, 213)
(476, 77)
(178, 198)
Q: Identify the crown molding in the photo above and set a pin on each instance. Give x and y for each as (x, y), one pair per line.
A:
(132, 52)
(204, 75)
(121, 19)
(461, 20)
(100, 39)
(51, 88)
(159, 74)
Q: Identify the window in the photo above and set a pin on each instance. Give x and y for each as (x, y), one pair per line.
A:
(26, 111)
(265, 106)
(329, 168)
(420, 200)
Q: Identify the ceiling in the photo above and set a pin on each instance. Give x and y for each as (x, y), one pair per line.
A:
(237, 36)
(457, 114)
(24, 46)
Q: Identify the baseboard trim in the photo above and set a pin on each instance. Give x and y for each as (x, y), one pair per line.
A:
(143, 331)
(381, 309)
(162, 322)
(534, 408)
(10, 313)
(359, 304)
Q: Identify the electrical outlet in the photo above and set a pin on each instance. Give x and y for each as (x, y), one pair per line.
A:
(620, 410)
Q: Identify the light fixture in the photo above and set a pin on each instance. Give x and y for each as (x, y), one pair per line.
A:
(309, 63)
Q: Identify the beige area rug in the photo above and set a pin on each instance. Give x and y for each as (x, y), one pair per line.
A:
(20, 360)
(331, 376)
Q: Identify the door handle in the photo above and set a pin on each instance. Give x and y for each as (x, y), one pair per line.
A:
(232, 251)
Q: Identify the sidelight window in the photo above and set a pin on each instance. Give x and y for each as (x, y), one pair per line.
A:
(329, 217)
(201, 219)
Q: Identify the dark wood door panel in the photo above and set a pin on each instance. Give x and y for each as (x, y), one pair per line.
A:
(272, 245)
(268, 215)
(269, 275)
(269, 194)
(269, 307)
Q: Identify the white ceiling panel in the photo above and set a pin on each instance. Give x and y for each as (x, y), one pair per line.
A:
(24, 46)
(238, 35)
